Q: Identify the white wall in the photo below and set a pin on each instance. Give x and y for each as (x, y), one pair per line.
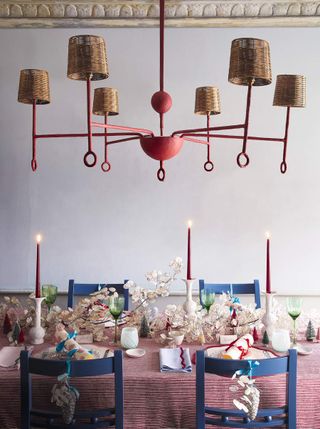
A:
(106, 227)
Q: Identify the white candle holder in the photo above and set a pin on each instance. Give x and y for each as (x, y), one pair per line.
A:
(36, 333)
(189, 305)
(269, 319)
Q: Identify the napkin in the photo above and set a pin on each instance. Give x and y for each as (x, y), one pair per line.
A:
(175, 360)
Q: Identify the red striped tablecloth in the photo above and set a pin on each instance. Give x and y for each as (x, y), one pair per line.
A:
(155, 400)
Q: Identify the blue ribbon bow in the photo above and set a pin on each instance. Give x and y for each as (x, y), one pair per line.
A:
(234, 300)
(248, 371)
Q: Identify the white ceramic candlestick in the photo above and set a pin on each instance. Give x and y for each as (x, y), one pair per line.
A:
(269, 319)
(36, 333)
(189, 305)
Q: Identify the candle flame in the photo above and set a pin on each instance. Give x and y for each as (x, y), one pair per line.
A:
(268, 235)
(189, 223)
(38, 238)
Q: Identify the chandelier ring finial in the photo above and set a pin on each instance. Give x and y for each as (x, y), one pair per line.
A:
(105, 166)
(87, 161)
(208, 166)
(161, 174)
(243, 160)
(34, 164)
(283, 167)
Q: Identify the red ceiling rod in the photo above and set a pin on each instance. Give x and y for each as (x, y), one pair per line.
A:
(249, 66)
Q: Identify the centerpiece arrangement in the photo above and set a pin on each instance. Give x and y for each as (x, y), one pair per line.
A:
(208, 319)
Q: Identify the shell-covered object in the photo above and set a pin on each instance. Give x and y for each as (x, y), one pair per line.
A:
(254, 405)
(250, 399)
(65, 397)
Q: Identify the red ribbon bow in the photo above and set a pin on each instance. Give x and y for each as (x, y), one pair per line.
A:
(183, 364)
(242, 350)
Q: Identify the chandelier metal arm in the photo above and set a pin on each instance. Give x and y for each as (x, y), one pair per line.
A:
(193, 140)
(105, 165)
(283, 165)
(284, 140)
(162, 10)
(71, 135)
(208, 165)
(230, 136)
(138, 131)
(90, 153)
(123, 140)
(128, 133)
(243, 154)
(199, 130)
(34, 138)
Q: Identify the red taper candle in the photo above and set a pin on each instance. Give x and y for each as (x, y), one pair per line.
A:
(38, 293)
(268, 279)
(189, 251)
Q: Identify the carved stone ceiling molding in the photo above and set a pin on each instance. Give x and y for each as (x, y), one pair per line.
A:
(144, 13)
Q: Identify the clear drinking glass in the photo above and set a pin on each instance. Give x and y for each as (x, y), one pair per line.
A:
(207, 298)
(49, 292)
(116, 307)
(294, 307)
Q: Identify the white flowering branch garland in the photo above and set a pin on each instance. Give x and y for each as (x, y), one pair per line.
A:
(207, 327)
(161, 282)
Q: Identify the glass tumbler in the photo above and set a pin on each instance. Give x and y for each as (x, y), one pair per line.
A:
(129, 338)
(281, 340)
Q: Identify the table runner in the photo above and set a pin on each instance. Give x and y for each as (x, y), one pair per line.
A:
(154, 400)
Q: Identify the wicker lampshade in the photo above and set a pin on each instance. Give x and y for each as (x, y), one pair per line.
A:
(207, 101)
(105, 101)
(250, 61)
(290, 91)
(87, 57)
(34, 86)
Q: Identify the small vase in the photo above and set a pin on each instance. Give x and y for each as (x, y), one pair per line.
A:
(269, 319)
(36, 333)
(189, 305)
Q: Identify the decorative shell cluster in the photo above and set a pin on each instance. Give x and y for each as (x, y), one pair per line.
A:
(250, 398)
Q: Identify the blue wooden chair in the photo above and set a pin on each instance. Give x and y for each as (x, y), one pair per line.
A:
(237, 289)
(108, 417)
(77, 289)
(232, 418)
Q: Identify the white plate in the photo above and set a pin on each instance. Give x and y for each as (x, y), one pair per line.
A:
(304, 350)
(9, 355)
(50, 353)
(253, 352)
(110, 323)
(135, 353)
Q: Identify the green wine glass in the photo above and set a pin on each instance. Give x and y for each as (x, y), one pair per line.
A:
(294, 307)
(207, 298)
(49, 292)
(116, 307)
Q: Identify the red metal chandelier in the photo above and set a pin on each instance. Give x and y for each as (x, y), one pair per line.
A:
(249, 65)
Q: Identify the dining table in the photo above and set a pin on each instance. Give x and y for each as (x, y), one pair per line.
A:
(154, 399)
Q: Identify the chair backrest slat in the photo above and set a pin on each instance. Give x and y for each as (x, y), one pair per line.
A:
(267, 367)
(85, 368)
(227, 368)
(83, 289)
(93, 367)
(236, 288)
